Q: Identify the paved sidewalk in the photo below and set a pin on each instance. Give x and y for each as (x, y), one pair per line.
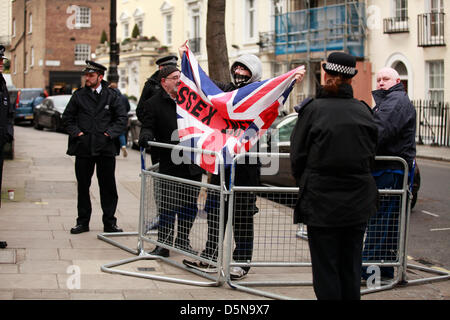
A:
(42, 256)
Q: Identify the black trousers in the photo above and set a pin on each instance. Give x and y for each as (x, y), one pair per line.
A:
(177, 200)
(336, 257)
(84, 169)
(1, 168)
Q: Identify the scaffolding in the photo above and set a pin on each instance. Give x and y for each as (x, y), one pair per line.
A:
(309, 29)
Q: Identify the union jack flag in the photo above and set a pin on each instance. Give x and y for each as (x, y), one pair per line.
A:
(226, 122)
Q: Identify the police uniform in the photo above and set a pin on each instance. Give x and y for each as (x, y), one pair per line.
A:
(101, 117)
(6, 117)
(151, 87)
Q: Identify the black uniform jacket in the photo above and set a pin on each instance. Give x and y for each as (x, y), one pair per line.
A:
(95, 116)
(151, 86)
(6, 114)
(333, 149)
(160, 124)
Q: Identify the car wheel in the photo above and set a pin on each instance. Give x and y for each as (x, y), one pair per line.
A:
(36, 123)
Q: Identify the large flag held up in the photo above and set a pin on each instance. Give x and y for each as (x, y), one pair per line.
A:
(227, 122)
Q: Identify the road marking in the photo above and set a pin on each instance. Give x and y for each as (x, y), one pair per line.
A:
(440, 229)
(429, 213)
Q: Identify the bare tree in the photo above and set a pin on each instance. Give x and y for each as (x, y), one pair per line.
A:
(216, 41)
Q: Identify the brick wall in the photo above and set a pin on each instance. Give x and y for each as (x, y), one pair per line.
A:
(54, 37)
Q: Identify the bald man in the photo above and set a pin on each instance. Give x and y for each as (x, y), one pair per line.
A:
(395, 117)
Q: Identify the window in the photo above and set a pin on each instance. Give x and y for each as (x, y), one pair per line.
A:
(82, 53)
(140, 25)
(401, 10)
(436, 80)
(126, 30)
(30, 27)
(15, 64)
(194, 40)
(251, 19)
(83, 17)
(168, 29)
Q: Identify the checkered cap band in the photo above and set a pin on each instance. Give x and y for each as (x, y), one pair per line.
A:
(341, 69)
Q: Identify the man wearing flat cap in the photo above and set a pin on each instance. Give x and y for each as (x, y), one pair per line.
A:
(174, 200)
(333, 148)
(94, 119)
(6, 114)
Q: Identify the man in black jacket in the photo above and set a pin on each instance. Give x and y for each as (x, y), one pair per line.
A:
(94, 119)
(175, 199)
(6, 115)
(151, 87)
(395, 117)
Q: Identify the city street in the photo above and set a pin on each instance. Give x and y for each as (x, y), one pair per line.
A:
(430, 219)
(41, 255)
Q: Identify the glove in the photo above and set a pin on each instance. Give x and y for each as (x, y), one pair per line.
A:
(143, 141)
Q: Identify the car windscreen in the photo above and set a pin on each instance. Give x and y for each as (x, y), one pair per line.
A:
(60, 102)
(29, 95)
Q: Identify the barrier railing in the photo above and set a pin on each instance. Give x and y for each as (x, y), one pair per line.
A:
(266, 235)
(172, 201)
(275, 244)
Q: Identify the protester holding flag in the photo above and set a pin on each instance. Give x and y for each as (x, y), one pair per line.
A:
(332, 154)
(175, 199)
(246, 70)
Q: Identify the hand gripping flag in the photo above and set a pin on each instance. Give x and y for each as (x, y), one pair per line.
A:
(226, 122)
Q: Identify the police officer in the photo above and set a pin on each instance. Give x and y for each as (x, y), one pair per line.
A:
(94, 119)
(153, 84)
(6, 114)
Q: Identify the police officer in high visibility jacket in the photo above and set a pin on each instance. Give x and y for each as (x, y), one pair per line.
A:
(94, 119)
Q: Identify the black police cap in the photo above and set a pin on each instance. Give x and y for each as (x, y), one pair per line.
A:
(92, 66)
(168, 60)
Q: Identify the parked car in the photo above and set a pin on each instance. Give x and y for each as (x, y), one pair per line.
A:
(134, 127)
(277, 140)
(25, 100)
(48, 113)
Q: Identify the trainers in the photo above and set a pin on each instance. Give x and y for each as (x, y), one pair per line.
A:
(237, 273)
(124, 151)
(200, 265)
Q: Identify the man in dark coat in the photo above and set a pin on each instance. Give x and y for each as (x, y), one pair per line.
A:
(6, 122)
(395, 117)
(332, 154)
(94, 119)
(175, 199)
(6, 115)
(151, 86)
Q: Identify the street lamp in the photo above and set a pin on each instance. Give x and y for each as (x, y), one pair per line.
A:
(114, 48)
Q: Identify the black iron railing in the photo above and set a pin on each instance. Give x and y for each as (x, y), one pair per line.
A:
(396, 25)
(430, 29)
(433, 123)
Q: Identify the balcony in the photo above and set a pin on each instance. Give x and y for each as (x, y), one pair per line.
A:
(430, 29)
(328, 28)
(194, 45)
(396, 25)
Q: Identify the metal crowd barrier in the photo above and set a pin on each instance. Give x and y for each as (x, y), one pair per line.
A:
(169, 199)
(268, 238)
(276, 243)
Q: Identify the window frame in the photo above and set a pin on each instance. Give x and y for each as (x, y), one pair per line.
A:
(79, 23)
(79, 53)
